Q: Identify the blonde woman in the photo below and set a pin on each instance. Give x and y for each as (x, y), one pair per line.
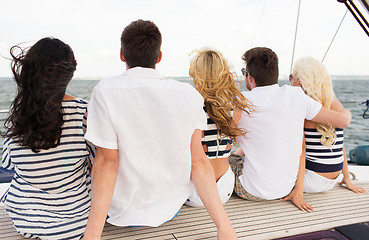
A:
(223, 102)
(326, 162)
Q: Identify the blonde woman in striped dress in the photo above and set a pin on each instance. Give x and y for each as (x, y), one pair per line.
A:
(223, 104)
(49, 196)
(325, 156)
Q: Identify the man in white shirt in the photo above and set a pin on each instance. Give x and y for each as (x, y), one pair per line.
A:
(148, 133)
(273, 143)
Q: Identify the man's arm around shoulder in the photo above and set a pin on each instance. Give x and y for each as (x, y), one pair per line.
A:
(337, 116)
(104, 175)
(202, 175)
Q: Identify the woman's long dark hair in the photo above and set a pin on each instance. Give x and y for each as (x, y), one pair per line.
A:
(42, 75)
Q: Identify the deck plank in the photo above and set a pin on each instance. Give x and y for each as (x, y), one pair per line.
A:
(251, 220)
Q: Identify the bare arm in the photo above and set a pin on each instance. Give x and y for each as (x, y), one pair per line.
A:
(237, 114)
(202, 175)
(346, 177)
(296, 195)
(337, 116)
(104, 174)
(336, 105)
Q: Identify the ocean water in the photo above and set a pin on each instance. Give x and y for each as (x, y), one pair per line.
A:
(350, 92)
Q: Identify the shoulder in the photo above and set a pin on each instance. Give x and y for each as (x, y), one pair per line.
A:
(183, 86)
(75, 105)
(109, 82)
(76, 101)
(80, 101)
(7, 141)
(192, 97)
(247, 94)
(106, 87)
(179, 84)
(297, 94)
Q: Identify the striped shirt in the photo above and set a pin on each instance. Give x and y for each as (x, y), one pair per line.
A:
(49, 195)
(215, 142)
(320, 158)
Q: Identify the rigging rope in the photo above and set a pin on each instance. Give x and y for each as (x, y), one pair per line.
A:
(294, 42)
(339, 26)
(261, 16)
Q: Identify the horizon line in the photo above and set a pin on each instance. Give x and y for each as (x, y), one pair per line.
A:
(281, 77)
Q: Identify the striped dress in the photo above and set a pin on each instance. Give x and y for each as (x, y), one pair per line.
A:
(49, 195)
(215, 141)
(320, 158)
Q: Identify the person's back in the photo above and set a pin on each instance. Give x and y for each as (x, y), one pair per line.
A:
(222, 102)
(49, 196)
(273, 143)
(153, 125)
(326, 162)
(274, 129)
(148, 133)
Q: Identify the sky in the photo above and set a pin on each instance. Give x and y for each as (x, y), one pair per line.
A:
(93, 27)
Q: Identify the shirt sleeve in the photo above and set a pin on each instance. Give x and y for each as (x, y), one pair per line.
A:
(201, 121)
(6, 160)
(100, 128)
(312, 108)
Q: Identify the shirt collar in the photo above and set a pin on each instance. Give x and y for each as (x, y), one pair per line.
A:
(144, 72)
(263, 88)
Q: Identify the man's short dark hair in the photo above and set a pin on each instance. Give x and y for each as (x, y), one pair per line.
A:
(262, 65)
(140, 43)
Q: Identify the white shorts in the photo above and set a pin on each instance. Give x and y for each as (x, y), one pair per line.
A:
(314, 182)
(225, 186)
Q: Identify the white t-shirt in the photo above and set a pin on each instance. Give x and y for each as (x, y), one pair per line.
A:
(150, 120)
(273, 143)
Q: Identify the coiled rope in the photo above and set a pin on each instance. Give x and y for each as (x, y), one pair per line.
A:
(366, 110)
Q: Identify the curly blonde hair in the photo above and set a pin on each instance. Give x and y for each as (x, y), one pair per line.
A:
(217, 84)
(317, 84)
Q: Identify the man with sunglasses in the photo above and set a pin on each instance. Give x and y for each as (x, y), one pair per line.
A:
(273, 143)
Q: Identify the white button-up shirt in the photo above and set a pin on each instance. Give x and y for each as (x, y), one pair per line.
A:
(273, 143)
(150, 120)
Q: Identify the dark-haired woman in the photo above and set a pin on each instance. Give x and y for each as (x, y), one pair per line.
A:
(49, 196)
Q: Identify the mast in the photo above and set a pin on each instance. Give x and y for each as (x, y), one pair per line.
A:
(365, 4)
(357, 14)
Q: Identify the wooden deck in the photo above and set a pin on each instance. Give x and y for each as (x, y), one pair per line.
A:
(251, 220)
